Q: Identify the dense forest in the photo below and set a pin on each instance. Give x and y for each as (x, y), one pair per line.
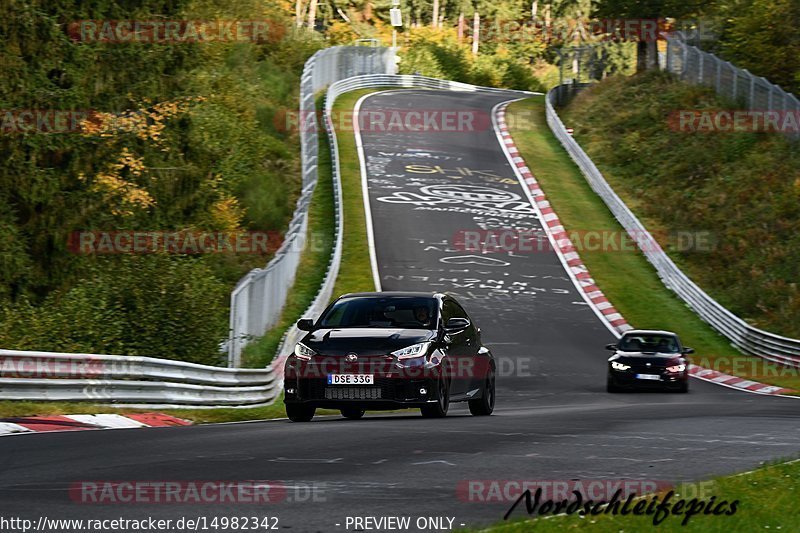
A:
(183, 137)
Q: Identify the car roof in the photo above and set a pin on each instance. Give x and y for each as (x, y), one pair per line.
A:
(650, 332)
(385, 294)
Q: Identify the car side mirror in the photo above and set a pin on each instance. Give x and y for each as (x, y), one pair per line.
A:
(305, 324)
(687, 351)
(456, 324)
(612, 347)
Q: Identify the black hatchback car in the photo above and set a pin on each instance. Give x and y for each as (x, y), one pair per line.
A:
(389, 350)
(648, 359)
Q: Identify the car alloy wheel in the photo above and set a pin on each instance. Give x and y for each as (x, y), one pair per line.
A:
(484, 405)
(438, 409)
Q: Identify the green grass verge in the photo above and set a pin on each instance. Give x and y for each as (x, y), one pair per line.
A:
(767, 501)
(355, 272)
(313, 262)
(628, 280)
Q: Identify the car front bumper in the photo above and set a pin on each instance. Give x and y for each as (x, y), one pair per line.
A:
(385, 393)
(627, 378)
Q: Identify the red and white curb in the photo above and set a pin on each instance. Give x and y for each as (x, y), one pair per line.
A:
(568, 254)
(712, 376)
(38, 424)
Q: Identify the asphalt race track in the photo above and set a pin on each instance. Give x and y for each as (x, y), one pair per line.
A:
(554, 420)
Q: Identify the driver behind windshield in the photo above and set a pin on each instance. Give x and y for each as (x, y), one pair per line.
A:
(422, 315)
(650, 344)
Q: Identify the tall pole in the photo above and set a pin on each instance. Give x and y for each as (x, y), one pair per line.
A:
(312, 15)
(460, 27)
(435, 20)
(396, 19)
(298, 13)
(476, 33)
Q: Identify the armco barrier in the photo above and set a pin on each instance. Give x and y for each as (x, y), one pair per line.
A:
(27, 375)
(749, 339)
(259, 297)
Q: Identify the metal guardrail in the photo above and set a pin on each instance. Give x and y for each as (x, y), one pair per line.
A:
(259, 297)
(28, 375)
(749, 339)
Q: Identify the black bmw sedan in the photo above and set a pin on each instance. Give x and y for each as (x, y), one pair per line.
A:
(648, 359)
(389, 350)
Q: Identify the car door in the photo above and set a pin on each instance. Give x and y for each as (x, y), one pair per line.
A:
(473, 367)
(458, 345)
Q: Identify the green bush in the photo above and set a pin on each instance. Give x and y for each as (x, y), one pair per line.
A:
(205, 154)
(436, 53)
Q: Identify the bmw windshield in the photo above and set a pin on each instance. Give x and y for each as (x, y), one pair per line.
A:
(649, 343)
(390, 312)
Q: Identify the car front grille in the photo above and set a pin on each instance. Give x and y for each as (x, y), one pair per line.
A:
(642, 369)
(383, 389)
(352, 393)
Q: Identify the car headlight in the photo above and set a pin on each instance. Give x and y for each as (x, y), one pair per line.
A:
(415, 350)
(676, 368)
(303, 352)
(619, 366)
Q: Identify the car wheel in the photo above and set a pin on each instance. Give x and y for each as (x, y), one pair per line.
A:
(299, 412)
(611, 387)
(352, 413)
(684, 387)
(485, 405)
(438, 409)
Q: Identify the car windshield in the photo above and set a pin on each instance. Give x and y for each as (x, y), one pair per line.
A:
(414, 312)
(649, 343)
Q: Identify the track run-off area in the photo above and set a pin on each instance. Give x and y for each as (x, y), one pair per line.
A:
(553, 420)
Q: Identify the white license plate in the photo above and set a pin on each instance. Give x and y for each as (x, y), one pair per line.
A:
(654, 377)
(350, 379)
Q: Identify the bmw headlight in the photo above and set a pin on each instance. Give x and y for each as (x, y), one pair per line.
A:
(410, 352)
(303, 352)
(619, 366)
(676, 368)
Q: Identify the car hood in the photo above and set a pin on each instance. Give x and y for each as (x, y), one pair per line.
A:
(657, 359)
(364, 341)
